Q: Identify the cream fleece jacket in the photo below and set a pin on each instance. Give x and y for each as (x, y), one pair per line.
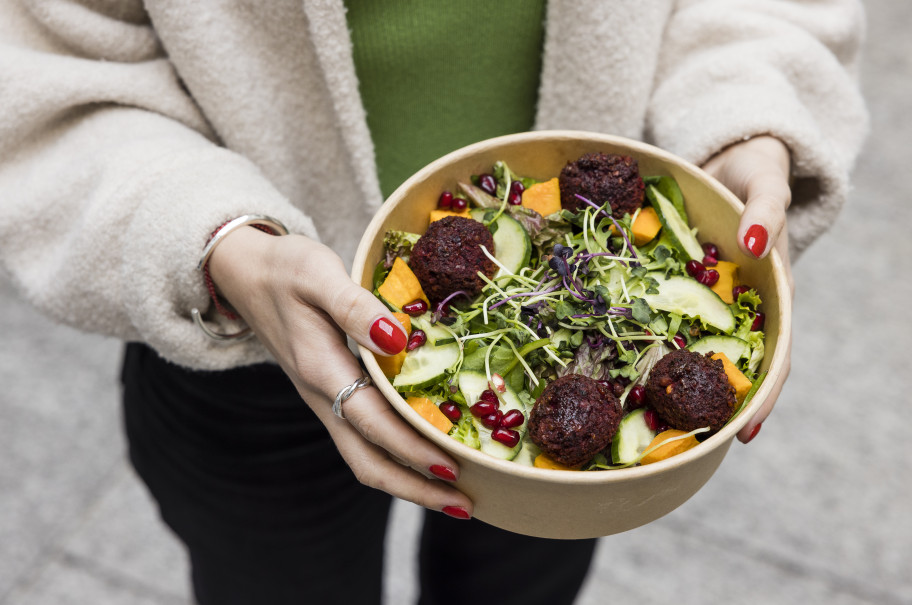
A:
(129, 130)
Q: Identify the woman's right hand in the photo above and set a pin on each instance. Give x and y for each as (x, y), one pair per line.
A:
(296, 296)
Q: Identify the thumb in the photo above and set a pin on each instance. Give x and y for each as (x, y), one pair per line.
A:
(361, 315)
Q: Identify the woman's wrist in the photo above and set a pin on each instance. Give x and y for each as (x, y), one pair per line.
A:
(238, 262)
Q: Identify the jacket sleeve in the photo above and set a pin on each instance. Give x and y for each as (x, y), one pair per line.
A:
(732, 69)
(111, 180)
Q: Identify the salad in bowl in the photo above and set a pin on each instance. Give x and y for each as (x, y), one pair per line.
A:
(537, 312)
(585, 336)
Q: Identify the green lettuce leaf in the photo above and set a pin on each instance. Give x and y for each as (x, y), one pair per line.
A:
(465, 432)
(398, 243)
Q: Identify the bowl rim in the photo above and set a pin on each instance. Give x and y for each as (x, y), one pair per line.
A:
(720, 439)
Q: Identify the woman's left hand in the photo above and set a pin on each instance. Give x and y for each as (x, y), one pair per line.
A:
(757, 171)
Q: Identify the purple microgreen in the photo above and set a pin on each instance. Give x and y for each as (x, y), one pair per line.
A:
(573, 292)
(620, 312)
(441, 309)
(559, 265)
(562, 251)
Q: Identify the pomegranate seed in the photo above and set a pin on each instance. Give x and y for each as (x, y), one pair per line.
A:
(739, 290)
(636, 397)
(488, 184)
(652, 420)
(445, 201)
(709, 277)
(679, 340)
(512, 419)
(451, 410)
(417, 339)
(516, 191)
(490, 396)
(482, 409)
(711, 250)
(416, 307)
(459, 204)
(508, 437)
(759, 320)
(710, 261)
(492, 420)
(498, 383)
(694, 268)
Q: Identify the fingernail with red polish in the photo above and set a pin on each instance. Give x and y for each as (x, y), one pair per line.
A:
(457, 512)
(755, 239)
(443, 472)
(387, 336)
(754, 432)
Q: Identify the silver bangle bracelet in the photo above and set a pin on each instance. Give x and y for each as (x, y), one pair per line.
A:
(241, 221)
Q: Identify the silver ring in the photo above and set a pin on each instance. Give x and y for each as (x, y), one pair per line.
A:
(347, 392)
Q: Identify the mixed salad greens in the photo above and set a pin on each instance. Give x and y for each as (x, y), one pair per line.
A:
(574, 293)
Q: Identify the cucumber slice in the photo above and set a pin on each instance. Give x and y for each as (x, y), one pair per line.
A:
(668, 187)
(472, 383)
(512, 246)
(677, 228)
(686, 296)
(632, 438)
(734, 348)
(528, 451)
(426, 366)
(436, 334)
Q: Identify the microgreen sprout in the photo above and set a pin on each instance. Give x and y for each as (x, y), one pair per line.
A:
(441, 308)
(617, 225)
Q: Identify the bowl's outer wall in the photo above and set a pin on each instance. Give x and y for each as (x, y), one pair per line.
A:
(561, 504)
(541, 506)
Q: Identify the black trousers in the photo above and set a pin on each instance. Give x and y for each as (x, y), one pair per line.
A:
(248, 478)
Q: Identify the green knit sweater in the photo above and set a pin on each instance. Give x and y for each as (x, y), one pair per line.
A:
(435, 76)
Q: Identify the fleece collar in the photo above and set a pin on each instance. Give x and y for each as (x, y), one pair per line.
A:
(332, 40)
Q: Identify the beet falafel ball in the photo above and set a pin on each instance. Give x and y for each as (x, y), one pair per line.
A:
(690, 391)
(574, 418)
(600, 178)
(448, 257)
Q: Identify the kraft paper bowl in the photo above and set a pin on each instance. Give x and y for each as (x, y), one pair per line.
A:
(570, 504)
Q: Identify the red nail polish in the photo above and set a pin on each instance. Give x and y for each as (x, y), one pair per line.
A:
(754, 432)
(755, 239)
(443, 472)
(457, 512)
(387, 336)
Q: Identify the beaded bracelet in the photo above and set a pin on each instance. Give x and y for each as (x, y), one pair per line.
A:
(260, 221)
